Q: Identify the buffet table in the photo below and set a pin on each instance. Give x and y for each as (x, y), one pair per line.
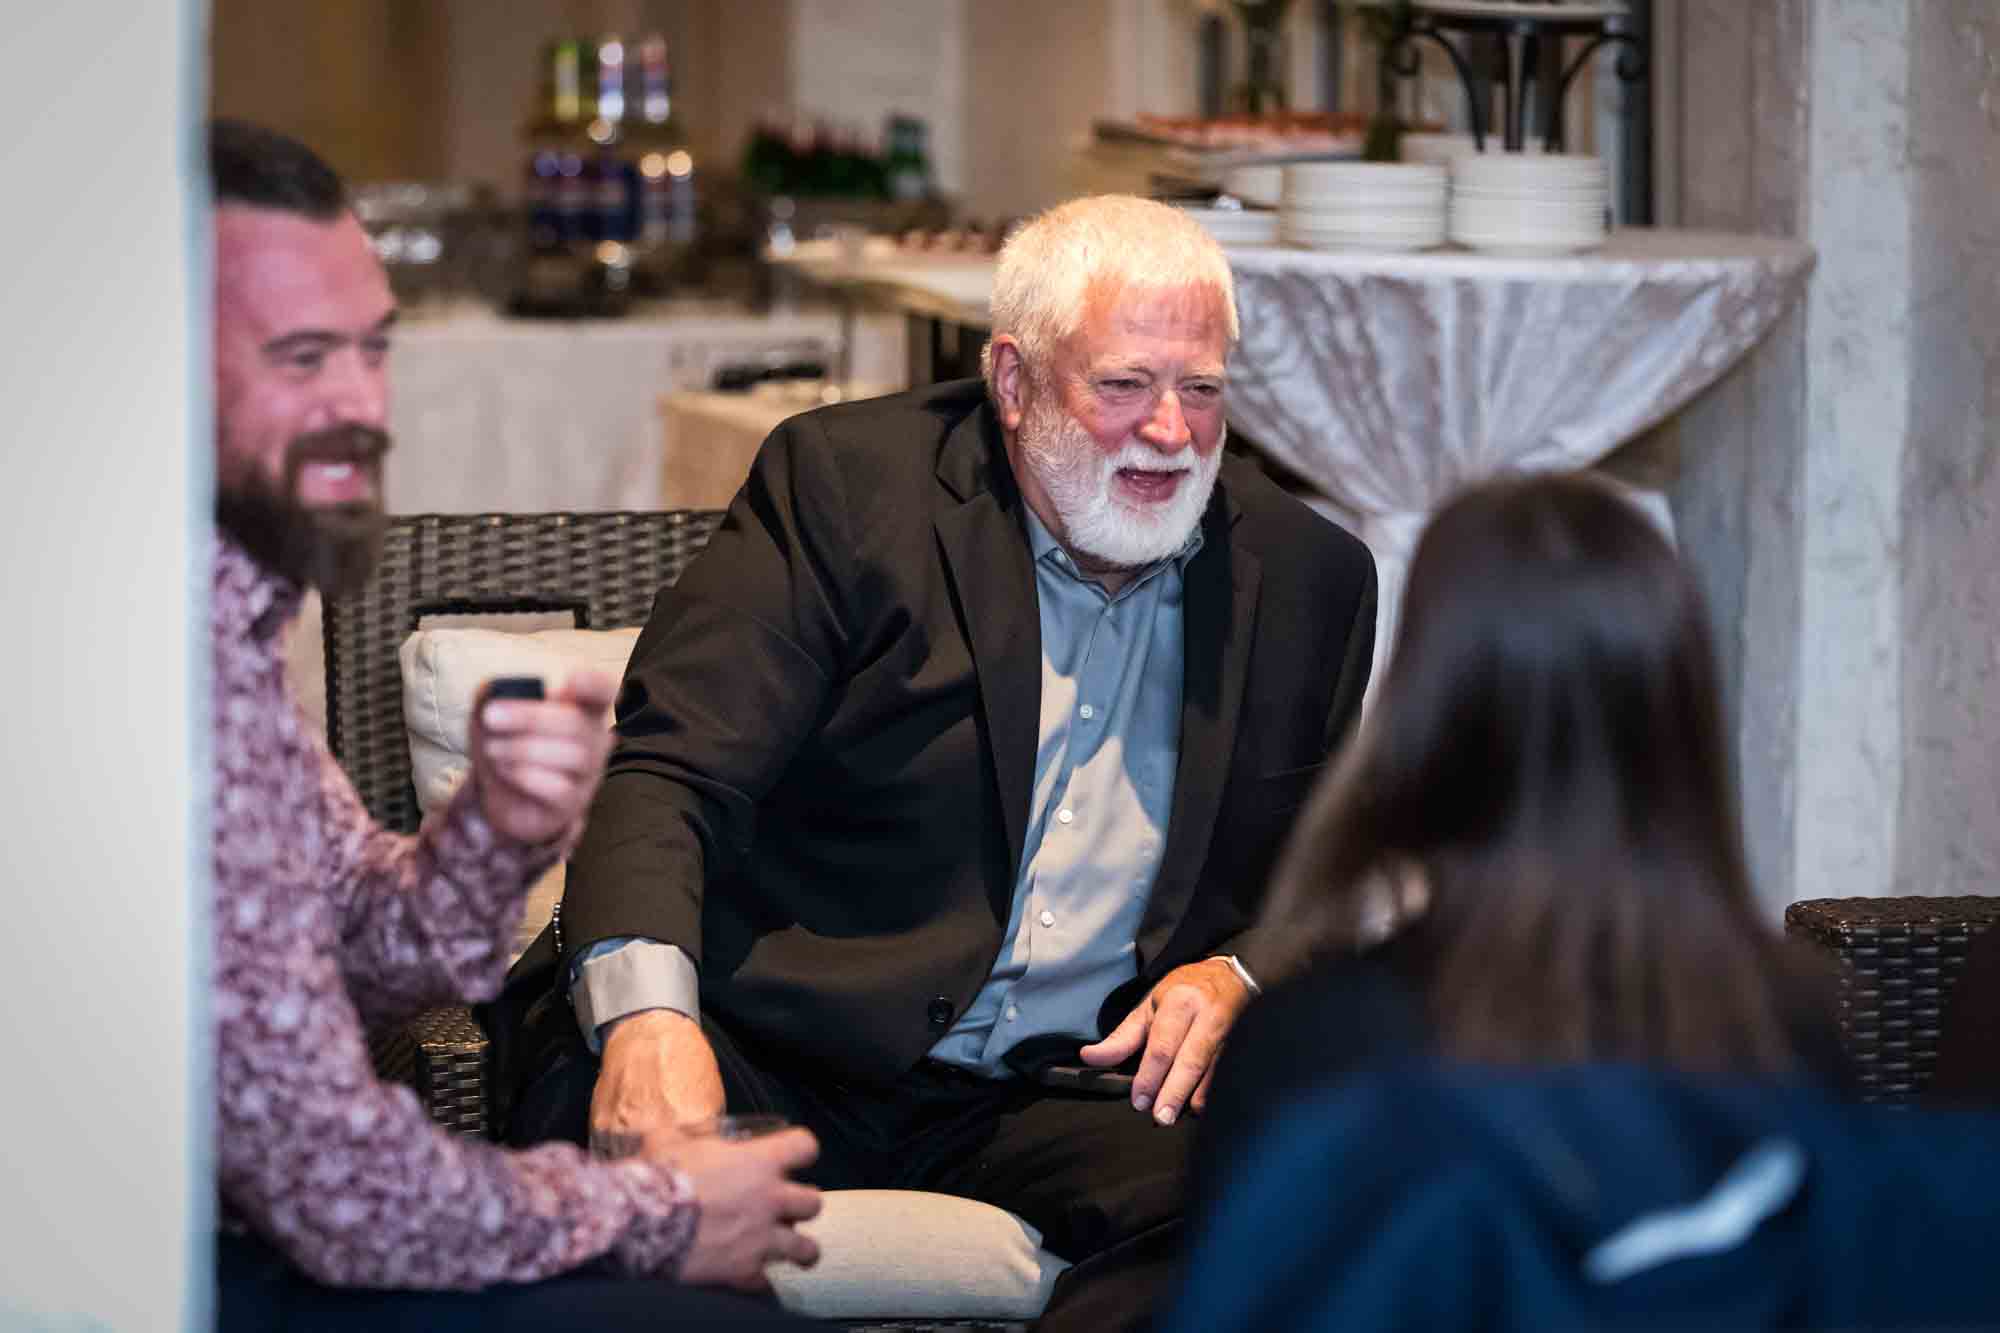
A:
(943, 295)
(1386, 381)
(492, 414)
(944, 285)
(709, 440)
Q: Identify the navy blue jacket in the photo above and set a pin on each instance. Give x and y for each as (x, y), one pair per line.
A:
(1428, 1197)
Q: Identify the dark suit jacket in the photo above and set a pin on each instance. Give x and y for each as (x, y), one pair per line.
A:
(827, 732)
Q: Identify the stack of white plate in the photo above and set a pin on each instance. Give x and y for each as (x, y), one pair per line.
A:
(1236, 226)
(1258, 184)
(1364, 205)
(1521, 204)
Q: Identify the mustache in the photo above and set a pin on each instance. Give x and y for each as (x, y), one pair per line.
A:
(346, 443)
(1142, 460)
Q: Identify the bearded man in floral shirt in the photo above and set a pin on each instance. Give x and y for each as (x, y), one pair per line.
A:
(344, 1205)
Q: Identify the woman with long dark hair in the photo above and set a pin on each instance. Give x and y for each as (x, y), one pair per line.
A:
(1530, 855)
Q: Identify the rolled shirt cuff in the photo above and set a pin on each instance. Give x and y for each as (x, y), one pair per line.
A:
(618, 977)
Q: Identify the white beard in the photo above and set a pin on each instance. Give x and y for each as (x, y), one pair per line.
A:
(1080, 479)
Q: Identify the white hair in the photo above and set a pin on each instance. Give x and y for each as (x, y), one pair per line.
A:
(1047, 270)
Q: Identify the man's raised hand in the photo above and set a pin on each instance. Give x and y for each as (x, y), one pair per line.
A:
(537, 762)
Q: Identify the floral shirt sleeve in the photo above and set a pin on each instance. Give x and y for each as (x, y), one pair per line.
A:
(321, 917)
(423, 921)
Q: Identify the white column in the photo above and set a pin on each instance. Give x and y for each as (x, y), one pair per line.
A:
(1949, 829)
(1858, 365)
(107, 1200)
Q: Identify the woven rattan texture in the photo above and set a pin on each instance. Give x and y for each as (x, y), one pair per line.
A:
(440, 1054)
(602, 568)
(1899, 959)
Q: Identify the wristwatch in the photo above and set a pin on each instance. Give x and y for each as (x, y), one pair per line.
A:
(1242, 974)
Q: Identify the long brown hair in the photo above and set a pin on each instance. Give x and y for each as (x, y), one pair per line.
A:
(1544, 765)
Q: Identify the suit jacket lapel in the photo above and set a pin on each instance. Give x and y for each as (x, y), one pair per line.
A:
(1219, 614)
(987, 558)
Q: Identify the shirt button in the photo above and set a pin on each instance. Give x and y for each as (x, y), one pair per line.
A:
(1086, 712)
(1065, 817)
(1012, 1013)
(1048, 918)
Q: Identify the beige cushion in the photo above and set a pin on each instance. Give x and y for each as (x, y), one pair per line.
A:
(906, 1254)
(443, 670)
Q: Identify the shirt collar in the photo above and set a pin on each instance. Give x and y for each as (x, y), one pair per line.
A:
(246, 599)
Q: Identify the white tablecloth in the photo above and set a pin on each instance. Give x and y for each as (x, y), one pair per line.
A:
(945, 285)
(1389, 381)
(709, 440)
(495, 414)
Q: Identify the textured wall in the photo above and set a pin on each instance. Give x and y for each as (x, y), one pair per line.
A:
(493, 72)
(1837, 494)
(1740, 101)
(1851, 763)
(363, 81)
(862, 59)
(1949, 830)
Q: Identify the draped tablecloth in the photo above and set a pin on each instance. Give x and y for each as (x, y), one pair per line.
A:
(1389, 381)
(709, 440)
(946, 285)
(491, 414)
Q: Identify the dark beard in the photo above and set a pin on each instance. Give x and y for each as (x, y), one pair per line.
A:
(332, 548)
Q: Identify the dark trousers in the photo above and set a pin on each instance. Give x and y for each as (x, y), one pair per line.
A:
(258, 1289)
(1101, 1181)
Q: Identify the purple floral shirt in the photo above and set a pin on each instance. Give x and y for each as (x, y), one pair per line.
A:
(325, 921)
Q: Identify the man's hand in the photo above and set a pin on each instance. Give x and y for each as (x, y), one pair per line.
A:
(749, 1206)
(536, 763)
(1181, 1023)
(658, 1073)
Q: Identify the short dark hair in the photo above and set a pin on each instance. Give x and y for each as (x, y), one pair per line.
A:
(262, 168)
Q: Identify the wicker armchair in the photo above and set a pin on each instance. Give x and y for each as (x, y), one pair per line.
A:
(601, 569)
(1898, 961)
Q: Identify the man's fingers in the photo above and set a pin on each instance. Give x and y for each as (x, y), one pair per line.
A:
(793, 1246)
(1173, 1016)
(797, 1203)
(567, 754)
(589, 691)
(1199, 1102)
(1191, 1065)
(522, 717)
(1124, 1041)
(550, 789)
(791, 1149)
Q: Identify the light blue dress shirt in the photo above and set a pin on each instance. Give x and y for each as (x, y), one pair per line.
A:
(1097, 820)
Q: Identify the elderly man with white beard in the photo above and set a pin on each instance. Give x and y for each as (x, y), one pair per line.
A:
(948, 779)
